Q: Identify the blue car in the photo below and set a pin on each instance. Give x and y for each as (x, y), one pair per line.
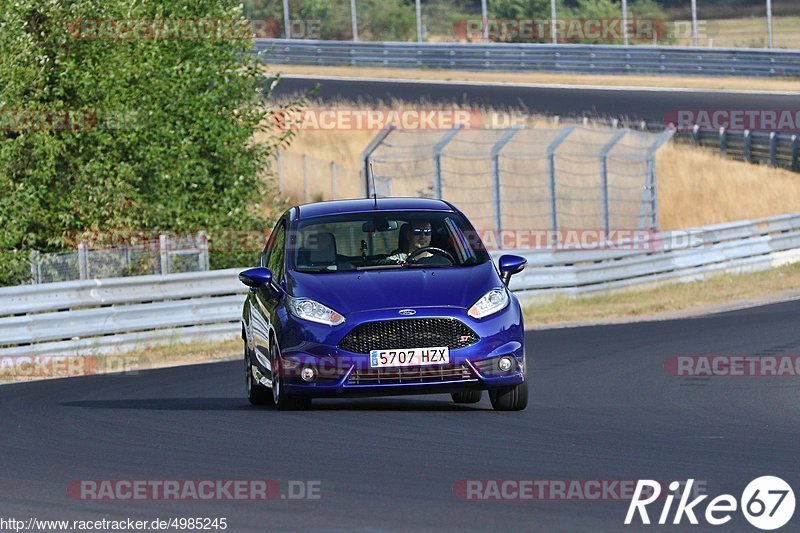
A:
(385, 296)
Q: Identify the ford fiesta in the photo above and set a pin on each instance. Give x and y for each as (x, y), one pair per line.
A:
(381, 297)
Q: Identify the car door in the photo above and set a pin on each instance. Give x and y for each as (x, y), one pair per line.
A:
(266, 300)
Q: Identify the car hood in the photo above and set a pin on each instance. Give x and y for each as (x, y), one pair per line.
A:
(354, 291)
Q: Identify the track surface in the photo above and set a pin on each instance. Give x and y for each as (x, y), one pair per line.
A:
(602, 408)
(638, 104)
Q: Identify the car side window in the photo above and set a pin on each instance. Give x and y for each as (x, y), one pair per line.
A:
(276, 255)
(270, 245)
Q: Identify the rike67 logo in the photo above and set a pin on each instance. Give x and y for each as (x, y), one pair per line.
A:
(767, 503)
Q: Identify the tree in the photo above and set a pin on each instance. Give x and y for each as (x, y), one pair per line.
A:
(105, 130)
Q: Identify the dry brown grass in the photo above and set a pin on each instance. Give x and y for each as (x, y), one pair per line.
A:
(697, 186)
(748, 32)
(716, 293)
(690, 82)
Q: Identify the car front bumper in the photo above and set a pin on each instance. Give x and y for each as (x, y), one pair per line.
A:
(339, 373)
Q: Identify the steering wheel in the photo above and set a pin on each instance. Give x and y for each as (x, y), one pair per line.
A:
(431, 250)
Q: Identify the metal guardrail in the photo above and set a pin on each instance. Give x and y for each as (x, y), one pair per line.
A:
(571, 58)
(101, 315)
(98, 316)
(686, 255)
(773, 148)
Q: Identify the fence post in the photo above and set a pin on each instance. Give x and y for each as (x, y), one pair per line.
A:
(498, 146)
(333, 180)
(651, 201)
(280, 170)
(437, 161)
(748, 146)
(83, 261)
(773, 149)
(202, 239)
(723, 140)
(618, 135)
(163, 248)
(795, 153)
(551, 170)
(366, 157)
(34, 267)
(305, 178)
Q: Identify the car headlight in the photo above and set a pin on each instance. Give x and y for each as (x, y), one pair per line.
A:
(314, 311)
(490, 303)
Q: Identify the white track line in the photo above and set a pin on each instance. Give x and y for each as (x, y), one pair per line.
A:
(544, 85)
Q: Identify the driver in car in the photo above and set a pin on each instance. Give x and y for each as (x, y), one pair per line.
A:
(417, 235)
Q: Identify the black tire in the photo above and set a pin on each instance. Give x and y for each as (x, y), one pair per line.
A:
(257, 393)
(283, 401)
(510, 399)
(470, 396)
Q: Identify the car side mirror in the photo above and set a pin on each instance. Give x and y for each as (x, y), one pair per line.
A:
(510, 265)
(256, 278)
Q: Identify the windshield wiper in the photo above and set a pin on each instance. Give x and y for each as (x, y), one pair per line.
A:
(317, 270)
(423, 265)
(380, 267)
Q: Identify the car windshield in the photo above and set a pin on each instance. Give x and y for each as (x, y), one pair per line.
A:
(386, 240)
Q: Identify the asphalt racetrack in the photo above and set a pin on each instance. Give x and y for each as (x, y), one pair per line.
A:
(640, 104)
(602, 408)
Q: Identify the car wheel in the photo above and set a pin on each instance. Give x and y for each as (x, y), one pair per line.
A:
(282, 400)
(257, 393)
(470, 396)
(511, 398)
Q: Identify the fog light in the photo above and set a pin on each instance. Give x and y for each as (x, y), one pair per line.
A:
(308, 374)
(505, 363)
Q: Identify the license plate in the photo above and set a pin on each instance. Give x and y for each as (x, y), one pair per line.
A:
(409, 357)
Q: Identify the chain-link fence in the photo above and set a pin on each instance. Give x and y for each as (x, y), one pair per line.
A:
(169, 254)
(571, 177)
(305, 178)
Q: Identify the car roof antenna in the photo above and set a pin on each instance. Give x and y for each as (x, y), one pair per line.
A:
(372, 179)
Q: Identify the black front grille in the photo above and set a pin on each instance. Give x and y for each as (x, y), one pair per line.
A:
(411, 374)
(409, 333)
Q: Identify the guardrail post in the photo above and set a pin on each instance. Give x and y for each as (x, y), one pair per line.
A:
(748, 146)
(723, 140)
(773, 149)
(438, 148)
(202, 240)
(163, 248)
(333, 180)
(366, 155)
(795, 153)
(551, 170)
(83, 261)
(498, 146)
(305, 177)
(618, 135)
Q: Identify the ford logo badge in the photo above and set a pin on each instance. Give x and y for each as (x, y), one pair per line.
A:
(407, 312)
